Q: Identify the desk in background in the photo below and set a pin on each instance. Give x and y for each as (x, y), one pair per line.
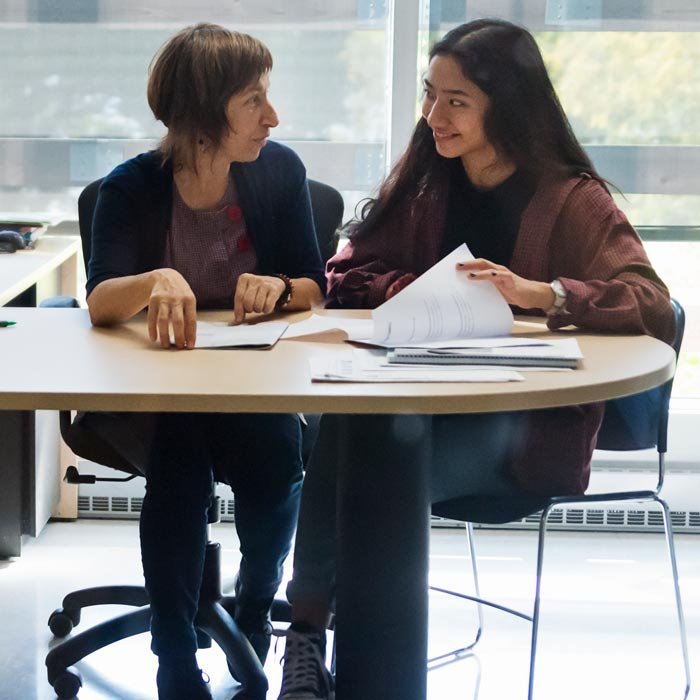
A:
(383, 508)
(48, 269)
(26, 278)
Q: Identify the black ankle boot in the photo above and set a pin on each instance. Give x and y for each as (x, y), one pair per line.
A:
(257, 627)
(253, 619)
(178, 680)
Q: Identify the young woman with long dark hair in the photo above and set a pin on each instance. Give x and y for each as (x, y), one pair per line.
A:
(493, 163)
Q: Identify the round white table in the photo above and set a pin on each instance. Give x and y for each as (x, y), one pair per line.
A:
(54, 359)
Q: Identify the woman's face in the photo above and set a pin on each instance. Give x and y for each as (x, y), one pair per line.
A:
(250, 116)
(454, 108)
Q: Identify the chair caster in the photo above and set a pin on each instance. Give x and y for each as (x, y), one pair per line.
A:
(61, 622)
(68, 683)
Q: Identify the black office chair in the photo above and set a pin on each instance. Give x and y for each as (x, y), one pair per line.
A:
(630, 423)
(216, 611)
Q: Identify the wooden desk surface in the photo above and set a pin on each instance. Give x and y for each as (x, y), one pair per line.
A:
(54, 359)
(22, 269)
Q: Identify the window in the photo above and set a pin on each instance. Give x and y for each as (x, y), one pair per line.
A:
(74, 85)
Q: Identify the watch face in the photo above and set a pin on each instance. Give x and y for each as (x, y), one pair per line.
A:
(559, 296)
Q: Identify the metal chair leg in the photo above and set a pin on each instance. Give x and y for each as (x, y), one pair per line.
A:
(475, 576)
(536, 606)
(668, 531)
(435, 662)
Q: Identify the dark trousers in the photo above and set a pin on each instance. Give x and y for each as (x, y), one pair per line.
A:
(259, 456)
(470, 455)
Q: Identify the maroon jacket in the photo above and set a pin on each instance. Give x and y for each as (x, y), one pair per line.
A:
(571, 230)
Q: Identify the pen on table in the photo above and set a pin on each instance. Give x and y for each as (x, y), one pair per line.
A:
(5, 324)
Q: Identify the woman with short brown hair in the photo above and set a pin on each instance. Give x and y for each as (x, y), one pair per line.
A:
(217, 217)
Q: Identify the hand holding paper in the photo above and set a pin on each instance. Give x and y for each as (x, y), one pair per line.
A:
(516, 290)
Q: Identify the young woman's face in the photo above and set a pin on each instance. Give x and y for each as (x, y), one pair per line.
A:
(251, 116)
(454, 108)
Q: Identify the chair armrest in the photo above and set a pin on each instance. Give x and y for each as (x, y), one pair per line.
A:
(60, 302)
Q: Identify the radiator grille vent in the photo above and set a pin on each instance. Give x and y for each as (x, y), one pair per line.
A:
(120, 505)
(614, 519)
(100, 504)
(561, 518)
(129, 507)
(574, 516)
(226, 508)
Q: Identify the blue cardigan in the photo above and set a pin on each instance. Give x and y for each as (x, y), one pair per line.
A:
(134, 204)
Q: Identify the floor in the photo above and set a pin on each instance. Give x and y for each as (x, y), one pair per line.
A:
(620, 643)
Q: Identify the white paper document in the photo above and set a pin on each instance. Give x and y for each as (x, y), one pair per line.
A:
(442, 304)
(224, 335)
(364, 327)
(365, 366)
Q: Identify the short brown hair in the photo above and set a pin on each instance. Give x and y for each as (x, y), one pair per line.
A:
(191, 79)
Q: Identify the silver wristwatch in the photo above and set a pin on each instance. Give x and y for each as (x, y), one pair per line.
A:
(559, 305)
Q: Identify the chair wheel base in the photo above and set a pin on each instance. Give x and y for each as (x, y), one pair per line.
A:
(61, 622)
(68, 683)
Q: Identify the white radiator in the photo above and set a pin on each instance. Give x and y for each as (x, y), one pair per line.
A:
(681, 491)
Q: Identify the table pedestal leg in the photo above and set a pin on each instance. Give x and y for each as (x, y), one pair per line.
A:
(16, 478)
(383, 539)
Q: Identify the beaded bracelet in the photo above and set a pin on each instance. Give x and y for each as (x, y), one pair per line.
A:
(286, 295)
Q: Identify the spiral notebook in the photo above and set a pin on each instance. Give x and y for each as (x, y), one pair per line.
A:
(562, 353)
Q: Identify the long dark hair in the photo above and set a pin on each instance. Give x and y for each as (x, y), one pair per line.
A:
(524, 122)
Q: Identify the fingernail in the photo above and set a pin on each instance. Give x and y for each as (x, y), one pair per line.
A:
(493, 274)
(472, 274)
(460, 264)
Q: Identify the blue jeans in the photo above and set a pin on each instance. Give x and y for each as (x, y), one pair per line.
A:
(470, 456)
(182, 454)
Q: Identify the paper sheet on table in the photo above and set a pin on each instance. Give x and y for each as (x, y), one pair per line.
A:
(364, 327)
(224, 335)
(366, 366)
(442, 304)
